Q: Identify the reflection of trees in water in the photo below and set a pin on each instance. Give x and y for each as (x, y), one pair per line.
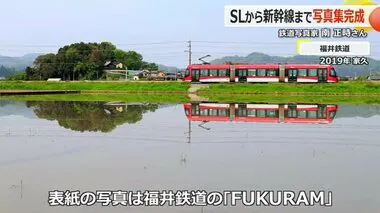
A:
(90, 116)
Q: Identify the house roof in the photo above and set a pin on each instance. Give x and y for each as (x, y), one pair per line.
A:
(112, 62)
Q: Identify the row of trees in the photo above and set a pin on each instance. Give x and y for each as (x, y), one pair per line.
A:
(84, 61)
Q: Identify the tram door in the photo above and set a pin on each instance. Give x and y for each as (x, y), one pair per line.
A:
(195, 75)
(242, 75)
(292, 75)
(322, 75)
(195, 110)
(241, 111)
(292, 111)
(322, 112)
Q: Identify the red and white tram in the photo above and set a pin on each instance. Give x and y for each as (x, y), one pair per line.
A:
(270, 113)
(261, 73)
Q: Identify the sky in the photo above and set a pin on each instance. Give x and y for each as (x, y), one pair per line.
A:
(42, 26)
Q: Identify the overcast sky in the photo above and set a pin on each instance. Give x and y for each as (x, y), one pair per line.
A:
(43, 26)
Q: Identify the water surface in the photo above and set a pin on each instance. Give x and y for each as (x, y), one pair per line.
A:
(91, 146)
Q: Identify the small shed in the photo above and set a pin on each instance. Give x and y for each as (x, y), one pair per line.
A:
(54, 79)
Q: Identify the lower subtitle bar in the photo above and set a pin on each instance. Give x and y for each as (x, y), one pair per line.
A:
(190, 198)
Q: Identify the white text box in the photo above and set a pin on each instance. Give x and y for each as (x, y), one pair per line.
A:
(355, 48)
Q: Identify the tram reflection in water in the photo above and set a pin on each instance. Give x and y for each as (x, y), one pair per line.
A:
(270, 113)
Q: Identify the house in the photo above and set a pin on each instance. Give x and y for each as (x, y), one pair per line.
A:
(113, 65)
(152, 74)
(374, 78)
(119, 66)
(346, 78)
(144, 74)
(157, 74)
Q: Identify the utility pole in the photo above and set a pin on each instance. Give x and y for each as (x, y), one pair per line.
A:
(189, 137)
(189, 51)
(190, 55)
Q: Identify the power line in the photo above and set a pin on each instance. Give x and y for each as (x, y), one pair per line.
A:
(259, 42)
(125, 44)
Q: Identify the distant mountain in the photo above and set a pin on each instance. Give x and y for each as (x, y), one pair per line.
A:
(168, 68)
(18, 63)
(343, 70)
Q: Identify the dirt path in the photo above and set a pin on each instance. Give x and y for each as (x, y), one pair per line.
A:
(192, 92)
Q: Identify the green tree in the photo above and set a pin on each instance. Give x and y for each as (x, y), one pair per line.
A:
(150, 66)
(89, 116)
(84, 61)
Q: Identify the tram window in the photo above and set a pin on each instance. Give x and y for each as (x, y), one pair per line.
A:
(204, 72)
(222, 112)
(241, 112)
(332, 114)
(213, 112)
(241, 72)
(222, 72)
(261, 113)
(213, 72)
(261, 72)
(312, 114)
(302, 72)
(332, 72)
(187, 112)
(271, 113)
(251, 113)
(187, 72)
(302, 114)
(204, 112)
(251, 72)
(271, 73)
(312, 72)
(292, 113)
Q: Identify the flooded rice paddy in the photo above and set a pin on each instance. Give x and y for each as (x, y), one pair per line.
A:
(90, 146)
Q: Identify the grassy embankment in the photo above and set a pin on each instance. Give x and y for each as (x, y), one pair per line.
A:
(340, 93)
(100, 87)
(340, 89)
(348, 88)
(176, 92)
(155, 98)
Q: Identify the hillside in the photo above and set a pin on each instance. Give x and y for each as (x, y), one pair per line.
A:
(343, 70)
(16, 63)
(19, 63)
(168, 68)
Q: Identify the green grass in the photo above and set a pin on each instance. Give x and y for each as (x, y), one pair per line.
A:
(348, 88)
(98, 86)
(150, 98)
(370, 100)
(305, 89)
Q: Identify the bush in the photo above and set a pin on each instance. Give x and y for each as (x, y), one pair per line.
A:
(18, 76)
